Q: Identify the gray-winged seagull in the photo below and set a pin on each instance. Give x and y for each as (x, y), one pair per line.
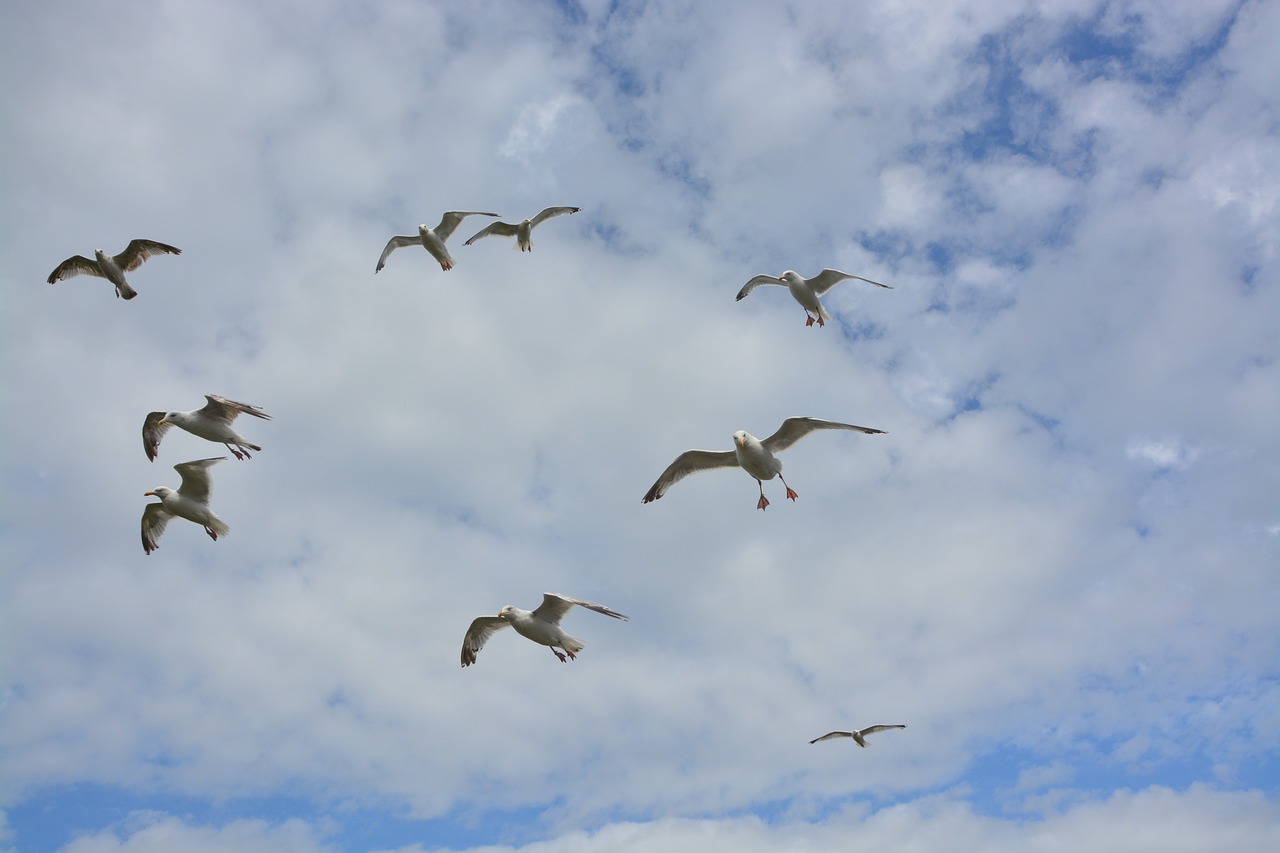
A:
(212, 422)
(432, 239)
(752, 455)
(807, 290)
(113, 269)
(541, 626)
(523, 230)
(190, 501)
(858, 735)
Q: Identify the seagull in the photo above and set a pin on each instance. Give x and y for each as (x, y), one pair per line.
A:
(113, 269)
(807, 290)
(859, 735)
(541, 626)
(190, 501)
(432, 240)
(754, 456)
(522, 231)
(213, 422)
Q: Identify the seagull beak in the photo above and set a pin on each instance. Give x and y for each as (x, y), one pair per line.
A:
(148, 494)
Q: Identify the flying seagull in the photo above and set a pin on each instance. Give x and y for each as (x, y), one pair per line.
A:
(752, 455)
(859, 735)
(522, 231)
(432, 240)
(807, 290)
(213, 422)
(190, 501)
(541, 626)
(113, 269)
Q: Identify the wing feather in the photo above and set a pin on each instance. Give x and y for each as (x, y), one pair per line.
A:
(756, 282)
(690, 462)
(73, 266)
(152, 431)
(794, 429)
(870, 730)
(827, 279)
(393, 244)
(494, 229)
(482, 628)
(452, 218)
(832, 736)
(220, 408)
(549, 212)
(154, 520)
(555, 606)
(196, 483)
(139, 250)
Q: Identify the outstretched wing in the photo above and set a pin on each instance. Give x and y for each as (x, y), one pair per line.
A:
(870, 730)
(549, 212)
(827, 279)
(794, 429)
(498, 229)
(393, 244)
(756, 282)
(451, 219)
(832, 736)
(139, 250)
(152, 431)
(196, 483)
(555, 606)
(154, 520)
(482, 628)
(220, 408)
(690, 462)
(73, 266)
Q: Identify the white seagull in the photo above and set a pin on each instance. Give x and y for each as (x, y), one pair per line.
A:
(113, 269)
(752, 455)
(522, 231)
(432, 239)
(807, 290)
(859, 735)
(541, 626)
(190, 501)
(212, 422)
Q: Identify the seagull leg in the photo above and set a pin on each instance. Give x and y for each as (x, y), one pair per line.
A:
(763, 502)
(555, 652)
(212, 535)
(790, 492)
(808, 319)
(237, 453)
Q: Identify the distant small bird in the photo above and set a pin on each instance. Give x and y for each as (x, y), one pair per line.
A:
(212, 422)
(113, 269)
(432, 239)
(859, 735)
(522, 231)
(806, 291)
(541, 626)
(190, 501)
(752, 455)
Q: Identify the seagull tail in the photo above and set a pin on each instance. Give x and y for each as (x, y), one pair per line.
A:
(218, 526)
(822, 314)
(571, 644)
(126, 291)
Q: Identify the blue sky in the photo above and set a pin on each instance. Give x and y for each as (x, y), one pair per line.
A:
(1058, 568)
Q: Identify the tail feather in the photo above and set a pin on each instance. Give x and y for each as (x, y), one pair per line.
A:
(218, 526)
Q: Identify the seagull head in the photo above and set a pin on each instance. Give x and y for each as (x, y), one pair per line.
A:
(740, 438)
(160, 492)
(505, 612)
(791, 275)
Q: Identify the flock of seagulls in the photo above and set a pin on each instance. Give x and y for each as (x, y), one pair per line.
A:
(213, 422)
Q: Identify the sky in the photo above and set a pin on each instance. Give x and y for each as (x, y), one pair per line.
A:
(1060, 567)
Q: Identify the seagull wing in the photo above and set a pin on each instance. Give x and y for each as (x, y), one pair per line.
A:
(870, 730)
(393, 244)
(549, 212)
(139, 250)
(756, 282)
(832, 736)
(500, 229)
(554, 607)
(827, 279)
(794, 429)
(75, 265)
(690, 462)
(482, 628)
(450, 221)
(154, 520)
(152, 432)
(195, 478)
(222, 409)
